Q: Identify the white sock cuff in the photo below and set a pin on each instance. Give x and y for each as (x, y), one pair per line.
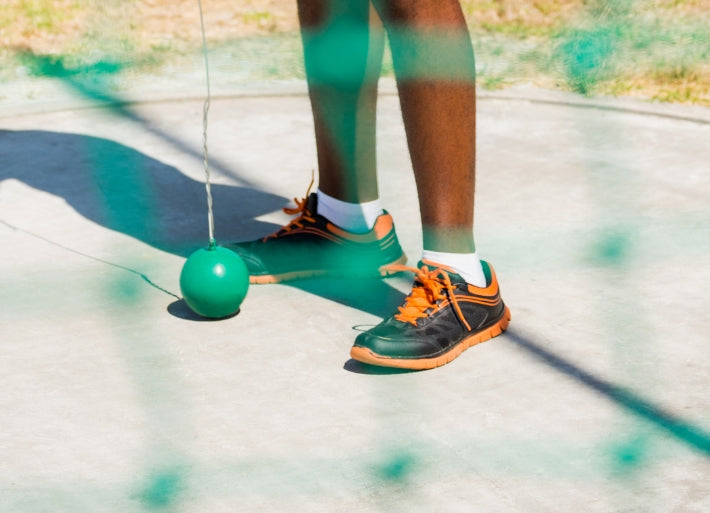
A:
(353, 217)
(468, 265)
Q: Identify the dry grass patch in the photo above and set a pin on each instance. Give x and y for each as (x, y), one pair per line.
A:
(40, 25)
(661, 48)
(66, 26)
(520, 17)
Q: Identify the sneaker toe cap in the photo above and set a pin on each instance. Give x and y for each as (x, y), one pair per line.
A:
(391, 344)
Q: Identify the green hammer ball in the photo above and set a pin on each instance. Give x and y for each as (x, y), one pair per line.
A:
(214, 282)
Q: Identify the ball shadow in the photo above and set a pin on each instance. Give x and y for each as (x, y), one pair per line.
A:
(180, 310)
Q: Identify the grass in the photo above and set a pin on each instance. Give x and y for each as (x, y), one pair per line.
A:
(520, 18)
(654, 49)
(30, 18)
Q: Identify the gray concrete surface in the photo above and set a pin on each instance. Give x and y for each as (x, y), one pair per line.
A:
(595, 214)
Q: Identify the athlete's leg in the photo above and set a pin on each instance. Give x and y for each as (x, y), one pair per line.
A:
(455, 300)
(435, 70)
(341, 230)
(343, 57)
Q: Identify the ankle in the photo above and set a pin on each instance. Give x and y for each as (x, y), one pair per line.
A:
(353, 217)
(467, 265)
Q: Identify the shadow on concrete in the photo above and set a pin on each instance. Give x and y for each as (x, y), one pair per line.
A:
(693, 436)
(129, 192)
(180, 310)
(372, 295)
(363, 368)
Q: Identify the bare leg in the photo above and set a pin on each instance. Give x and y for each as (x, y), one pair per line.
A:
(435, 69)
(343, 57)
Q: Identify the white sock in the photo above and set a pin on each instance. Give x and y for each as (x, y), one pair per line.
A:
(352, 217)
(468, 265)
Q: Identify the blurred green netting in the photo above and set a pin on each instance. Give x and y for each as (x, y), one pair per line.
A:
(601, 47)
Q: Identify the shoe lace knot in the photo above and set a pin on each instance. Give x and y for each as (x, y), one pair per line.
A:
(430, 286)
(301, 210)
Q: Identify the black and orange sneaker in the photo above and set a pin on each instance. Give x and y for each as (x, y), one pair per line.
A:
(440, 318)
(311, 246)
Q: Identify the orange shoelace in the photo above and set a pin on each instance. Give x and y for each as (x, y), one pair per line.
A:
(300, 210)
(429, 287)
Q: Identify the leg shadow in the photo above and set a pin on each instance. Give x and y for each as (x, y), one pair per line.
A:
(126, 191)
(129, 192)
(372, 295)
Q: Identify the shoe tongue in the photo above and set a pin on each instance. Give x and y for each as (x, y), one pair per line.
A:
(312, 203)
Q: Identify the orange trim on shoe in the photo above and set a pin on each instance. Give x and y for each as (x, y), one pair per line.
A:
(383, 226)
